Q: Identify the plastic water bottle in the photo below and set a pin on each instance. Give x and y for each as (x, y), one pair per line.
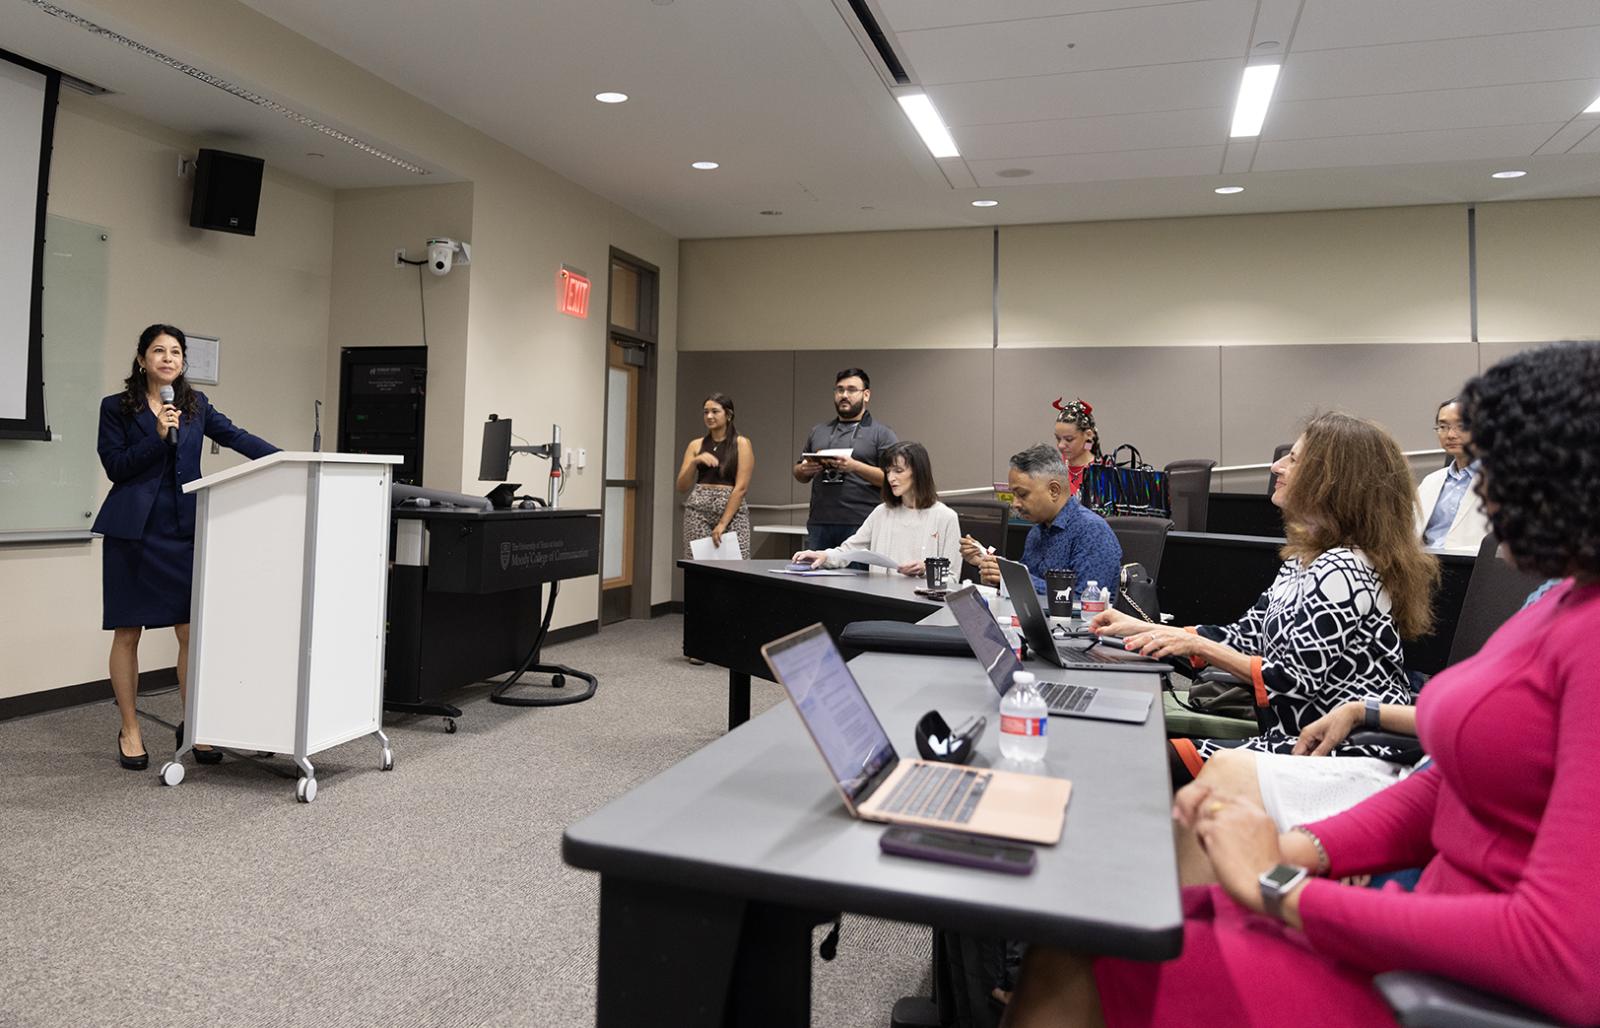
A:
(1024, 720)
(1094, 599)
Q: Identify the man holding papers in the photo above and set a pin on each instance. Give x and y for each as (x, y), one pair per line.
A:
(843, 463)
(908, 526)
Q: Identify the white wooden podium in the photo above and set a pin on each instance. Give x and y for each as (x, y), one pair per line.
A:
(287, 614)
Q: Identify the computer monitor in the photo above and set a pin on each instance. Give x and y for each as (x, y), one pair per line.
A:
(494, 463)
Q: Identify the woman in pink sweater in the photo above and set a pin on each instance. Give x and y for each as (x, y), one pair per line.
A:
(1506, 823)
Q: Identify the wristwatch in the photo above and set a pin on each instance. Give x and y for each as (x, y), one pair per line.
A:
(1370, 719)
(1277, 883)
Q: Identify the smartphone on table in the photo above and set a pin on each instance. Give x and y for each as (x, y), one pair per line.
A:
(956, 848)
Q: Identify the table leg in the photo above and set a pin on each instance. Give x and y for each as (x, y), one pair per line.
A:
(738, 699)
(688, 958)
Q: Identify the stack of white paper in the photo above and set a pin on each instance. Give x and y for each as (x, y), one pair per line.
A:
(704, 549)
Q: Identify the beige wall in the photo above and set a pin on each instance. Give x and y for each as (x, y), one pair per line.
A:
(865, 290)
(376, 304)
(1539, 271)
(266, 298)
(282, 310)
(1391, 275)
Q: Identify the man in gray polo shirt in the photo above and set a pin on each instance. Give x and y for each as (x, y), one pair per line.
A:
(844, 491)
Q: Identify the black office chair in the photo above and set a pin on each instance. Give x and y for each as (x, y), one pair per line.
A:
(1142, 539)
(1189, 489)
(1423, 1001)
(1495, 591)
(985, 521)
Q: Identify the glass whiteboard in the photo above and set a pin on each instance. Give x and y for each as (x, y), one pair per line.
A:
(51, 486)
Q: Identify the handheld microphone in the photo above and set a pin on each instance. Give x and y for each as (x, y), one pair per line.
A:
(172, 433)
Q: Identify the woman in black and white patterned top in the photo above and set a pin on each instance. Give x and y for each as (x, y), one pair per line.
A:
(1355, 581)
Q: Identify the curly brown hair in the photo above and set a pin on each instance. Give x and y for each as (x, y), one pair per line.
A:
(1352, 487)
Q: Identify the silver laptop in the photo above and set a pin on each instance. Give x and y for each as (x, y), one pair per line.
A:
(1036, 630)
(1079, 697)
(876, 784)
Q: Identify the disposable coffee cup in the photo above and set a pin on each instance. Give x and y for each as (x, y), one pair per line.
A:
(937, 570)
(1059, 583)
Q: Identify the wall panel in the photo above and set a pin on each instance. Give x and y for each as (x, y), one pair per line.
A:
(1397, 274)
(1538, 269)
(870, 289)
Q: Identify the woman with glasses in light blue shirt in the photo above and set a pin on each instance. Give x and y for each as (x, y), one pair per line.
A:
(1449, 515)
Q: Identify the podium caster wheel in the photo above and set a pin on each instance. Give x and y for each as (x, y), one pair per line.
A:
(305, 790)
(171, 773)
(558, 681)
(450, 726)
(388, 760)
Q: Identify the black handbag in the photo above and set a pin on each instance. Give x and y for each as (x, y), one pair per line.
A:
(1128, 486)
(1136, 594)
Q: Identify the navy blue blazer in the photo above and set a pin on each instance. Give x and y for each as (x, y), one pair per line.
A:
(134, 455)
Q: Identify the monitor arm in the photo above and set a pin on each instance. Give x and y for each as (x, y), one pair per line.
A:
(551, 452)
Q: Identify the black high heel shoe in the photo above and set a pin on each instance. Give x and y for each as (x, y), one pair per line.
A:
(200, 756)
(138, 762)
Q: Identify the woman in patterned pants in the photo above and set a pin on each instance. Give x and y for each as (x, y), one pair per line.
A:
(716, 474)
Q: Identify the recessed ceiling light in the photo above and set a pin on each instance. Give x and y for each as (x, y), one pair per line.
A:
(611, 98)
(1228, 190)
(986, 203)
(1255, 93)
(314, 155)
(1508, 174)
(705, 165)
(925, 119)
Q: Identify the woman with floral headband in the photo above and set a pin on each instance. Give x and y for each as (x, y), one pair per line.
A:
(1077, 438)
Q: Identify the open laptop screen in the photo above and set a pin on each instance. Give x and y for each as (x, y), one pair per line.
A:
(985, 636)
(834, 710)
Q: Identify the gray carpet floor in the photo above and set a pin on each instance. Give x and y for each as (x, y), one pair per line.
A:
(433, 894)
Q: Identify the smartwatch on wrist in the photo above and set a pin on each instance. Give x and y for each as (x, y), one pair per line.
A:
(1370, 719)
(1277, 883)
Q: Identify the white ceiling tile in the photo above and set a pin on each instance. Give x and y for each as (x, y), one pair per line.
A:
(1240, 156)
(1589, 143)
(1158, 130)
(1331, 24)
(1161, 87)
(1445, 64)
(1402, 147)
(1433, 109)
(1086, 42)
(907, 15)
(1129, 164)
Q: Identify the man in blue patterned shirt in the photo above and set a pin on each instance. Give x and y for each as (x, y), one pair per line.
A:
(1065, 534)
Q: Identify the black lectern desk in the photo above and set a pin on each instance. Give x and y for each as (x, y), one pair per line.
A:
(464, 600)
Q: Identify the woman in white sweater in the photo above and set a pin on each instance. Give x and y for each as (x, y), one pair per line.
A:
(909, 525)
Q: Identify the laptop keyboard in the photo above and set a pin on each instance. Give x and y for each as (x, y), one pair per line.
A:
(1073, 699)
(938, 792)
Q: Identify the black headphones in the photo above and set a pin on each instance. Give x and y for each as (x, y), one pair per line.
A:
(936, 740)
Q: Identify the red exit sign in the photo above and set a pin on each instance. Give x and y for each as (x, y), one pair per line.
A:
(574, 293)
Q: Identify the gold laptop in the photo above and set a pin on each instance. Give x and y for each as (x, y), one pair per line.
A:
(877, 785)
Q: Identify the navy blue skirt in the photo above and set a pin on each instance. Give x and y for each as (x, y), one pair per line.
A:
(145, 582)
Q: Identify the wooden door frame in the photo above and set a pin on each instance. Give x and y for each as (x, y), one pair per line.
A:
(639, 606)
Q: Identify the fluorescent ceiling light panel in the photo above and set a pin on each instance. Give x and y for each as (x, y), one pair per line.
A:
(925, 119)
(705, 165)
(1228, 190)
(986, 203)
(1593, 108)
(1255, 93)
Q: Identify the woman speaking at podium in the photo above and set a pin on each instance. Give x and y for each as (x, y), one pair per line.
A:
(150, 446)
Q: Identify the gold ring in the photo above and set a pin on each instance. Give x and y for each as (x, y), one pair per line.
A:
(1214, 806)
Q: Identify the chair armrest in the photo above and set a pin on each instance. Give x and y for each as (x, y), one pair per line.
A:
(1423, 1001)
